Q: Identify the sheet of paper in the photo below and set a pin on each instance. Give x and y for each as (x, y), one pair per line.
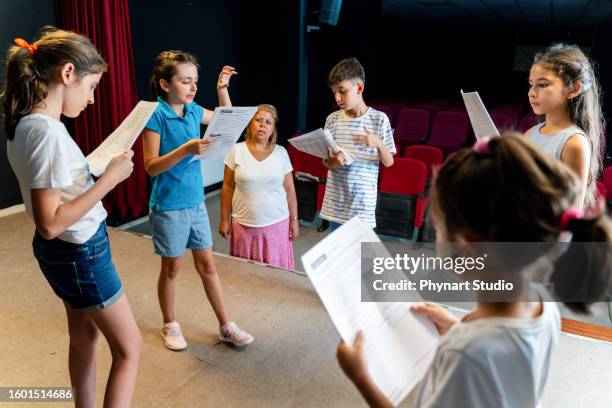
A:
(481, 121)
(316, 143)
(224, 129)
(399, 345)
(122, 139)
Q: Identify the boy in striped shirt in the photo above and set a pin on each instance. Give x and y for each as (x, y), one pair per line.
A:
(366, 135)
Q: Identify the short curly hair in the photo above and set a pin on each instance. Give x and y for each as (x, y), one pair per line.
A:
(349, 69)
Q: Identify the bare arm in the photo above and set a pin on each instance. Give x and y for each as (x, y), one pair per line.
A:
(227, 194)
(155, 165)
(371, 393)
(352, 362)
(292, 204)
(577, 155)
(52, 216)
(291, 198)
(222, 92)
(385, 156)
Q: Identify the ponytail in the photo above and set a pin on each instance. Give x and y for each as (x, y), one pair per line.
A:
(31, 68)
(22, 88)
(590, 248)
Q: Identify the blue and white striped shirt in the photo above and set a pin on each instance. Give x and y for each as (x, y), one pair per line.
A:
(351, 190)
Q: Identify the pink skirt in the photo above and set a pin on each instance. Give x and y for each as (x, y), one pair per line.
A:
(270, 245)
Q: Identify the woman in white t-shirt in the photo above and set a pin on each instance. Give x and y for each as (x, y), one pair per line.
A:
(259, 195)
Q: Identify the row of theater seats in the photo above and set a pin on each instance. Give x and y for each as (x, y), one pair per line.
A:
(447, 127)
(402, 189)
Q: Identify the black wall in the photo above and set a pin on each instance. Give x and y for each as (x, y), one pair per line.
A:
(18, 18)
(406, 59)
(261, 42)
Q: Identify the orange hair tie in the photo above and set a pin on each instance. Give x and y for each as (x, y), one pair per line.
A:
(24, 44)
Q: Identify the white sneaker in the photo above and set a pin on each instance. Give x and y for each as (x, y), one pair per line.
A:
(231, 333)
(173, 337)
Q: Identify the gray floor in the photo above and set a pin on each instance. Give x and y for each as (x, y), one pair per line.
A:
(309, 237)
(291, 363)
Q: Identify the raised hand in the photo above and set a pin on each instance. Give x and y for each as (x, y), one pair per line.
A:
(225, 76)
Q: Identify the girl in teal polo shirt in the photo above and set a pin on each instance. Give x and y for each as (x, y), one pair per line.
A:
(177, 212)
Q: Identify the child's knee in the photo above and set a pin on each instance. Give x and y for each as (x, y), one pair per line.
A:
(170, 270)
(206, 269)
(129, 349)
(84, 334)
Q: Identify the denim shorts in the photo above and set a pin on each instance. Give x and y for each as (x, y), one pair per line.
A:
(83, 275)
(175, 230)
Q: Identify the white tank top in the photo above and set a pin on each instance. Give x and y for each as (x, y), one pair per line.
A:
(554, 143)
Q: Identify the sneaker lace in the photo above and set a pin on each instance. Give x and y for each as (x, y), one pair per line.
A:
(173, 331)
(234, 331)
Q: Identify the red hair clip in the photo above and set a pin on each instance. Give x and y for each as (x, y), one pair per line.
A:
(24, 44)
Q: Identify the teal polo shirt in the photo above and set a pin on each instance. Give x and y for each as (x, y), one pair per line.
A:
(181, 186)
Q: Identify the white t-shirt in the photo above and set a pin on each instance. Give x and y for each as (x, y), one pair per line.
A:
(43, 155)
(259, 195)
(351, 190)
(492, 362)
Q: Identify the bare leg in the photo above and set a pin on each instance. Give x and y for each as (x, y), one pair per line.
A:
(205, 265)
(82, 357)
(165, 286)
(118, 326)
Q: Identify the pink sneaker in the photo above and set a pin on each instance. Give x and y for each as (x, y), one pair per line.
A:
(231, 333)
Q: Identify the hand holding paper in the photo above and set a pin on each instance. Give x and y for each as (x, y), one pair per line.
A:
(120, 167)
(198, 146)
(398, 345)
(351, 358)
(225, 129)
(335, 159)
(319, 143)
(122, 139)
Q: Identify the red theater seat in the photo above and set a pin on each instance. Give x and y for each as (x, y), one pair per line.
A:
(412, 126)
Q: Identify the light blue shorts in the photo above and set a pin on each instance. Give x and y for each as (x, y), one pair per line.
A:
(175, 230)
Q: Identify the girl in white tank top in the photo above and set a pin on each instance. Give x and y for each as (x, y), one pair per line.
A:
(563, 88)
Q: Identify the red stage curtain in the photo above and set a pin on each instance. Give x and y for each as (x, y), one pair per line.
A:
(107, 24)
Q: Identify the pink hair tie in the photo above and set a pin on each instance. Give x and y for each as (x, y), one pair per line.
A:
(569, 215)
(482, 146)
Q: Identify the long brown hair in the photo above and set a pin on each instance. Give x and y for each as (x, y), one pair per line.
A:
(29, 73)
(571, 65)
(165, 68)
(515, 193)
